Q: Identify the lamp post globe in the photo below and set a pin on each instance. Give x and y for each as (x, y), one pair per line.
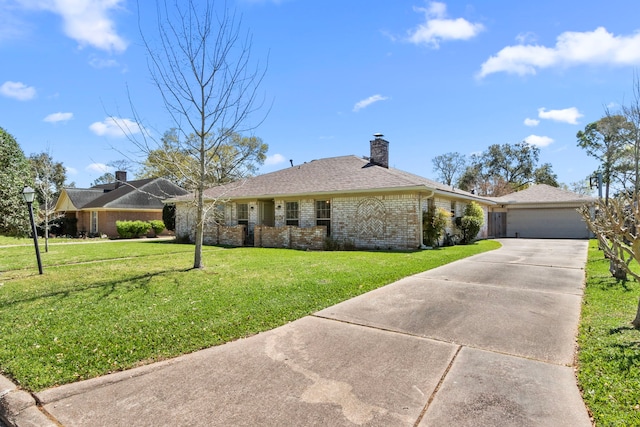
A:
(28, 194)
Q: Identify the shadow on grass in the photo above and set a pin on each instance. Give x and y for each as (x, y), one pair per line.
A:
(609, 282)
(140, 281)
(621, 329)
(625, 355)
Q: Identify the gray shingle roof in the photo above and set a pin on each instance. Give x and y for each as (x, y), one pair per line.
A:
(81, 196)
(140, 194)
(334, 175)
(542, 193)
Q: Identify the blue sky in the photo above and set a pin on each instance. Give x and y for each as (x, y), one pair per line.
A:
(433, 77)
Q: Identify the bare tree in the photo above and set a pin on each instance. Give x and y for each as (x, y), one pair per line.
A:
(449, 166)
(48, 178)
(631, 157)
(200, 63)
(615, 225)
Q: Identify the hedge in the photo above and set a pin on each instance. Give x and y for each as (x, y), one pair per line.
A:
(132, 229)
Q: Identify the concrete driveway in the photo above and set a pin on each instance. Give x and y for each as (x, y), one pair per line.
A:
(485, 341)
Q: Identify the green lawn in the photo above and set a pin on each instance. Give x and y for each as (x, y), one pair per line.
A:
(110, 306)
(4, 240)
(609, 347)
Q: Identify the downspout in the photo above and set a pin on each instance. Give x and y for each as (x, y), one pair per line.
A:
(420, 237)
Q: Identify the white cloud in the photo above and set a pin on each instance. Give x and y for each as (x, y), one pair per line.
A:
(531, 122)
(528, 37)
(98, 167)
(274, 160)
(437, 27)
(58, 117)
(96, 62)
(115, 126)
(17, 90)
(539, 141)
(567, 115)
(366, 102)
(71, 171)
(572, 48)
(88, 22)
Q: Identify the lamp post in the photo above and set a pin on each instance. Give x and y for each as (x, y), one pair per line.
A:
(29, 194)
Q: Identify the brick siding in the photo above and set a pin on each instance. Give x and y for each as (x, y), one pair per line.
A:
(107, 220)
(378, 222)
(311, 238)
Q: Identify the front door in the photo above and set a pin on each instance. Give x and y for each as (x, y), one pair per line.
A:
(267, 214)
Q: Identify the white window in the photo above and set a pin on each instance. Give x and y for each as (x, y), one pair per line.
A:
(323, 214)
(292, 213)
(243, 214)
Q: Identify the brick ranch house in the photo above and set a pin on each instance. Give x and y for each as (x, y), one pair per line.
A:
(98, 208)
(361, 201)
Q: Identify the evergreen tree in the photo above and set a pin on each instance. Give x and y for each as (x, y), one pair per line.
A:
(14, 176)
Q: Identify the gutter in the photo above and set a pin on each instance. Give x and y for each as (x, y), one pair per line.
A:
(416, 188)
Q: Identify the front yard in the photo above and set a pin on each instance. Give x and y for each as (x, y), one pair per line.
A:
(609, 347)
(105, 307)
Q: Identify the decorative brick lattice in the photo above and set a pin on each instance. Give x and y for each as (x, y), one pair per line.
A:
(370, 218)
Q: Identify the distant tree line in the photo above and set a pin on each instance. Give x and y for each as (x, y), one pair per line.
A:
(500, 169)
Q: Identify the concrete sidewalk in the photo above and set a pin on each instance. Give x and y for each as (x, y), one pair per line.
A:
(488, 340)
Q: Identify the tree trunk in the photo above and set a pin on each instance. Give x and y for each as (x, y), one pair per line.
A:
(616, 270)
(636, 321)
(197, 258)
(46, 228)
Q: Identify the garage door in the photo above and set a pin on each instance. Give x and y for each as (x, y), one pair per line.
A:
(563, 223)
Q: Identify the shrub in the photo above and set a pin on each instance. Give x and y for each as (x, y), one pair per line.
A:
(169, 217)
(64, 226)
(131, 229)
(471, 223)
(157, 226)
(331, 244)
(434, 222)
(348, 245)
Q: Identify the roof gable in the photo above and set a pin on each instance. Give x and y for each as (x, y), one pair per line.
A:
(140, 194)
(72, 199)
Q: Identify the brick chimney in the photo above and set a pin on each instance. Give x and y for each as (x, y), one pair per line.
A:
(121, 177)
(379, 151)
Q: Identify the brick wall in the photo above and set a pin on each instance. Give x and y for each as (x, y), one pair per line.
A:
(214, 234)
(107, 219)
(290, 237)
(272, 237)
(378, 222)
(231, 235)
(308, 238)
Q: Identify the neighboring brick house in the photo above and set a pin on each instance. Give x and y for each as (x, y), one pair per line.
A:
(98, 208)
(352, 200)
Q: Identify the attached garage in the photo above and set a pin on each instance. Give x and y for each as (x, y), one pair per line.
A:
(542, 212)
(546, 223)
